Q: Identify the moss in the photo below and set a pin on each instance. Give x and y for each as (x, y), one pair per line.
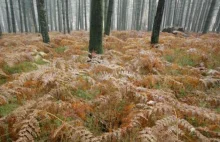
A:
(217, 109)
(21, 67)
(85, 94)
(3, 81)
(41, 62)
(60, 50)
(6, 109)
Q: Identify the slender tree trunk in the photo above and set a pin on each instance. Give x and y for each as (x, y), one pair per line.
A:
(25, 16)
(12, 17)
(51, 14)
(175, 13)
(95, 43)
(59, 16)
(85, 15)
(209, 18)
(67, 16)
(149, 15)
(8, 17)
(142, 13)
(20, 15)
(33, 15)
(0, 30)
(55, 14)
(37, 3)
(157, 22)
(43, 22)
(109, 17)
(64, 20)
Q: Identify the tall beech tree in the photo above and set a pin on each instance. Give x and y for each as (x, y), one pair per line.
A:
(43, 22)
(20, 15)
(96, 26)
(109, 17)
(12, 17)
(67, 16)
(8, 18)
(157, 22)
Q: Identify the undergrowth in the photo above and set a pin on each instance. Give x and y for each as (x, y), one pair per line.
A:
(132, 92)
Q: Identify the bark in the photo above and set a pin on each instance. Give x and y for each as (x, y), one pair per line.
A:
(8, 17)
(59, 16)
(64, 18)
(95, 43)
(12, 17)
(85, 15)
(51, 15)
(157, 22)
(67, 16)
(43, 22)
(109, 17)
(33, 15)
(25, 16)
(20, 15)
(149, 15)
(55, 14)
(0, 30)
(209, 18)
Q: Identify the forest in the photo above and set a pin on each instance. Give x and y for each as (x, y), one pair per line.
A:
(109, 71)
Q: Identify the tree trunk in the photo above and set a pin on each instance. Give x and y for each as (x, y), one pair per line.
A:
(55, 14)
(8, 17)
(0, 30)
(20, 14)
(25, 16)
(33, 15)
(157, 22)
(59, 16)
(209, 18)
(12, 17)
(95, 43)
(149, 15)
(67, 16)
(43, 22)
(85, 15)
(109, 17)
(64, 20)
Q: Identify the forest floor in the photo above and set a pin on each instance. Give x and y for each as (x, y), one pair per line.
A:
(133, 92)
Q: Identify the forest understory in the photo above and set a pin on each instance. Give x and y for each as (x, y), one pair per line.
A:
(133, 92)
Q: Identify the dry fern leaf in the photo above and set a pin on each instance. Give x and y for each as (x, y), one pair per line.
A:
(146, 135)
(29, 129)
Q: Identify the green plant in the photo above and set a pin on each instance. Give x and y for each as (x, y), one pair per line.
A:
(6, 109)
(85, 94)
(40, 62)
(3, 81)
(21, 67)
(60, 50)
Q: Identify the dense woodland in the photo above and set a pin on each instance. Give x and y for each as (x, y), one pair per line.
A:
(110, 70)
(68, 15)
